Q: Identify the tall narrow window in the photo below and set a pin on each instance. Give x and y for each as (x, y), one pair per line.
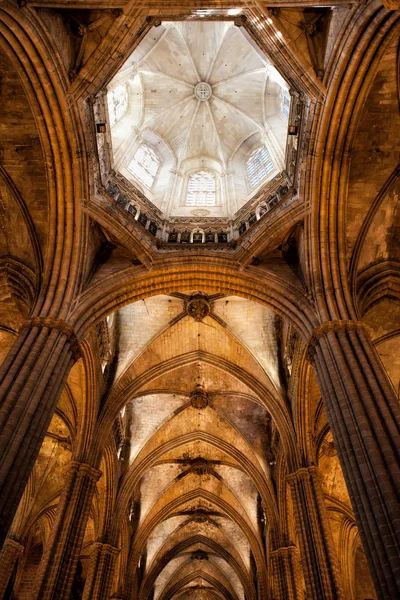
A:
(145, 165)
(201, 189)
(117, 101)
(285, 104)
(259, 165)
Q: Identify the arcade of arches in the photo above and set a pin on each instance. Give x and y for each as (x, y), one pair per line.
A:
(199, 300)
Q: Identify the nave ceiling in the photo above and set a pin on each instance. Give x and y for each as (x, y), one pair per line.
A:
(202, 410)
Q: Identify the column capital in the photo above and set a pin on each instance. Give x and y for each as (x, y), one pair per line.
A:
(286, 577)
(285, 551)
(304, 473)
(83, 469)
(322, 330)
(105, 548)
(13, 545)
(59, 325)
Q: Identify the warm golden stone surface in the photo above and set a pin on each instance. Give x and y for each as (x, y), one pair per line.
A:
(213, 414)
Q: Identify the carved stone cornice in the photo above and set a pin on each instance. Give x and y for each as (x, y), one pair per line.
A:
(59, 325)
(330, 326)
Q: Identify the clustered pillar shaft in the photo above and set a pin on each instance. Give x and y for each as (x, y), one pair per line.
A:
(319, 561)
(286, 574)
(61, 554)
(9, 555)
(101, 572)
(31, 380)
(364, 416)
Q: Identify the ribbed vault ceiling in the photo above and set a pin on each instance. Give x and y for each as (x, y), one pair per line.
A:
(202, 96)
(218, 54)
(197, 474)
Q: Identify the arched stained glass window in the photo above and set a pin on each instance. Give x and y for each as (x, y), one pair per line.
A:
(117, 101)
(285, 104)
(201, 189)
(145, 165)
(259, 165)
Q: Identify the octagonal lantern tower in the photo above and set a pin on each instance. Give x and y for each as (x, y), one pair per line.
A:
(199, 118)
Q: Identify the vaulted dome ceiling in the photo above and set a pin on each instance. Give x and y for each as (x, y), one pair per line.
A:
(235, 76)
(204, 96)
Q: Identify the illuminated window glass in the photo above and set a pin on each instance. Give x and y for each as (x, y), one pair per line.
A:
(117, 101)
(201, 189)
(285, 104)
(259, 165)
(144, 165)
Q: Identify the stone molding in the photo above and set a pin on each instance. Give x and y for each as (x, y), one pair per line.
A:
(286, 577)
(59, 325)
(83, 469)
(333, 326)
(105, 548)
(285, 551)
(101, 571)
(306, 472)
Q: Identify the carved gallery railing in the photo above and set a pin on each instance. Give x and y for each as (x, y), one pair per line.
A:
(199, 230)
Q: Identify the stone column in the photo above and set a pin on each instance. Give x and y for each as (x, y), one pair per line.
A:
(31, 380)
(364, 415)
(8, 557)
(62, 551)
(318, 557)
(286, 574)
(101, 572)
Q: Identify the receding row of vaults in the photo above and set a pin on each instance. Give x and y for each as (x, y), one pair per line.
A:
(188, 231)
